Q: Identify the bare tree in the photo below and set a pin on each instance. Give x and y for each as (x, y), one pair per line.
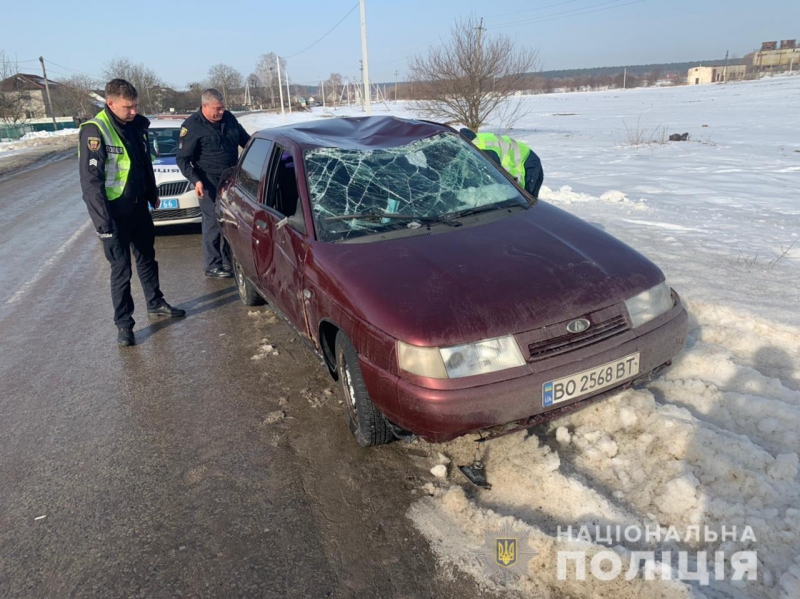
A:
(652, 77)
(14, 101)
(256, 89)
(333, 88)
(471, 77)
(144, 80)
(267, 72)
(224, 78)
(73, 96)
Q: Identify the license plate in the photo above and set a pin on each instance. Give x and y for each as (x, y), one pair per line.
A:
(168, 204)
(590, 381)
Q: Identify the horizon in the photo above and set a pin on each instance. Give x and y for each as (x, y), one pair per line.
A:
(318, 38)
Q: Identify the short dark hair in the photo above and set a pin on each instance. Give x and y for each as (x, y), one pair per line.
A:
(468, 133)
(119, 88)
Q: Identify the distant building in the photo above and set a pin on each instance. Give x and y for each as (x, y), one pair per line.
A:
(718, 74)
(774, 58)
(29, 90)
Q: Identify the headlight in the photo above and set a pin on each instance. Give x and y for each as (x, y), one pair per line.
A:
(649, 304)
(459, 361)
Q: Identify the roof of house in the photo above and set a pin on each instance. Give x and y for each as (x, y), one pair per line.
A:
(24, 82)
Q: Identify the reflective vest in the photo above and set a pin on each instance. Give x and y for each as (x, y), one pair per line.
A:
(118, 163)
(512, 153)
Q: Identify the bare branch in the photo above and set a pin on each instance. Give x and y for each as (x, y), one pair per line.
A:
(471, 77)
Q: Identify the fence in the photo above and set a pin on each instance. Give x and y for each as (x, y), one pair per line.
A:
(12, 132)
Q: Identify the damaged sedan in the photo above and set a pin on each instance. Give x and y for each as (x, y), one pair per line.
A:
(443, 298)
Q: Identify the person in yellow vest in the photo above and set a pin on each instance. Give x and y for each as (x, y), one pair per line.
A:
(118, 184)
(516, 157)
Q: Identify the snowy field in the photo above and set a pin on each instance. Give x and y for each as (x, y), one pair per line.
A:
(713, 442)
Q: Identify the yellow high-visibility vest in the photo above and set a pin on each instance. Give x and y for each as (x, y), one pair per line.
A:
(512, 153)
(118, 162)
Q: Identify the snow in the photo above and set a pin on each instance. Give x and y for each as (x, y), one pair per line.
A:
(34, 139)
(714, 440)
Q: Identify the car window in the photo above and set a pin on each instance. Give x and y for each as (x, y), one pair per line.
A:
(429, 177)
(164, 142)
(283, 195)
(253, 165)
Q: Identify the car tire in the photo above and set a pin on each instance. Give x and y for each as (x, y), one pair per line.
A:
(247, 292)
(368, 425)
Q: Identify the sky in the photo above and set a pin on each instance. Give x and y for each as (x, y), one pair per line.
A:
(181, 41)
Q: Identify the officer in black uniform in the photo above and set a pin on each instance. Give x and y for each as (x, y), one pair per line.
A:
(209, 144)
(118, 183)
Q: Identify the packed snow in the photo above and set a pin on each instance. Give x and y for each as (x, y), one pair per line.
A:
(713, 441)
(35, 139)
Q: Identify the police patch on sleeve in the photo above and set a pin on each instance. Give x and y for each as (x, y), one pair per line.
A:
(184, 131)
(93, 143)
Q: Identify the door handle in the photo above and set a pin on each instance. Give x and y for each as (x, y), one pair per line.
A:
(262, 225)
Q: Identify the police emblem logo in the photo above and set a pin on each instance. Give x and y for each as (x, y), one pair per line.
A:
(184, 131)
(93, 143)
(506, 552)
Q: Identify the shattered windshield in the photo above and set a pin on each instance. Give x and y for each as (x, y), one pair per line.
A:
(428, 178)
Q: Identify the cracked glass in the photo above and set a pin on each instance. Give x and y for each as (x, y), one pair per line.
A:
(427, 178)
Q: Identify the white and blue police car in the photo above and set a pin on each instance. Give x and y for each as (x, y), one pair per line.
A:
(179, 203)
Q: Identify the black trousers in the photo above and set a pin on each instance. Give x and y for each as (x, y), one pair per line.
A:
(135, 231)
(212, 238)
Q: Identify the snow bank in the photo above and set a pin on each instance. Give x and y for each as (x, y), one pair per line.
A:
(714, 441)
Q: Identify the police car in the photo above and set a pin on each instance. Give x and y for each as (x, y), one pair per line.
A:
(179, 203)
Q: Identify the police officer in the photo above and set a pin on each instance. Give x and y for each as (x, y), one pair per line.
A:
(209, 144)
(118, 184)
(516, 157)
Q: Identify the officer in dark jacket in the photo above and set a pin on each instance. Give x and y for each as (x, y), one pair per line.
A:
(210, 141)
(118, 183)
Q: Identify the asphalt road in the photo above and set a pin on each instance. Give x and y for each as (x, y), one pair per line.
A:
(181, 467)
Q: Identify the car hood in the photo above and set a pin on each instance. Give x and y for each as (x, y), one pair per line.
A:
(534, 268)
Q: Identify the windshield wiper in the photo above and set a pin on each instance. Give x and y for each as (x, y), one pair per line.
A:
(376, 214)
(488, 208)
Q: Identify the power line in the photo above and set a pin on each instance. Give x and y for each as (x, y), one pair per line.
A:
(553, 17)
(506, 14)
(74, 70)
(326, 34)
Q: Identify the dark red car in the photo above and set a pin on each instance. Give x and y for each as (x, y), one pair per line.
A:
(443, 297)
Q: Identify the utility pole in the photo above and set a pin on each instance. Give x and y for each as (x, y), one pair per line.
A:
(362, 79)
(288, 91)
(47, 89)
(323, 93)
(480, 56)
(725, 68)
(365, 62)
(280, 87)
(396, 73)
(625, 79)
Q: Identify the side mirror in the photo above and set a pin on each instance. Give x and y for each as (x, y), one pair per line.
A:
(296, 221)
(227, 175)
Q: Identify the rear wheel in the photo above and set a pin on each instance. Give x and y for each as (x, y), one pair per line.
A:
(366, 422)
(247, 292)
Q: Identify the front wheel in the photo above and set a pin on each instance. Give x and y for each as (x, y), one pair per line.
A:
(247, 292)
(368, 425)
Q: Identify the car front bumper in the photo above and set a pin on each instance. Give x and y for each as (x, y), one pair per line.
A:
(440, 415)
(188, 211)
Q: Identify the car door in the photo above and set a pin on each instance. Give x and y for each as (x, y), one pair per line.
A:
(244, 200)
(279, 239)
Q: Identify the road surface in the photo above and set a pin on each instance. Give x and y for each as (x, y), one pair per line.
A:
(181, 467)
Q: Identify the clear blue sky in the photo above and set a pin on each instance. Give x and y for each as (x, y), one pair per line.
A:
(180, 41)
